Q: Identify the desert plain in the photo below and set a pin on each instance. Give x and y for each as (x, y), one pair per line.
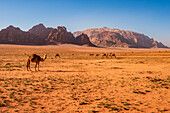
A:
(137, 80)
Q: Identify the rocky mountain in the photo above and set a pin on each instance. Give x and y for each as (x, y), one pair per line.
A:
(83, 39)
(39, 34)
(104, 37)
(110, 39)
(60, 36)
(40, 30)
(13, 35)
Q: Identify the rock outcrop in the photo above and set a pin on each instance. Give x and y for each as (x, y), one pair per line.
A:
(156, 44)
(60, 36)
(134, 39)
(83, 39)
(40, 30)
(110, 39)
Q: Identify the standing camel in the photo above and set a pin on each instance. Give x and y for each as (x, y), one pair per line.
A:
(35, 58)
(112, 54)
(109, 54)
(105, 55)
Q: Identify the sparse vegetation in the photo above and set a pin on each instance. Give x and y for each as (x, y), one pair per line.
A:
(139, 92)
(84, 83)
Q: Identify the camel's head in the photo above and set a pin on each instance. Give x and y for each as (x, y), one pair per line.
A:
(45, 56)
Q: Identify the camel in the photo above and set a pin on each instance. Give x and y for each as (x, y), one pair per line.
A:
(97, 55)
(105, 55)
(35, 58)
(109, 54)
(91, 54)
(57, 55)
(112, 54)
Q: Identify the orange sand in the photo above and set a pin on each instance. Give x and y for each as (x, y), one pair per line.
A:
(137, 80)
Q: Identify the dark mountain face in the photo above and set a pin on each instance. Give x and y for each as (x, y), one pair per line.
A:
(39, 34)
(83, 39)
(41, 31)
(38, 29)
(13, 35)
(60, 36)
(133, 39)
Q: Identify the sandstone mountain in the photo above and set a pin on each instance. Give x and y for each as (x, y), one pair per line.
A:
(60, 36)
(103, 37)
(13, 35)
(40, 30)
(83, 39)
(110, 39)
(40, 35)
(133, 39)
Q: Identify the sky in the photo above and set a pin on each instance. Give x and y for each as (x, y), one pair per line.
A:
(149, 17)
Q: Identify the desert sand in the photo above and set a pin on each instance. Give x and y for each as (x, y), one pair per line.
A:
(137, 80)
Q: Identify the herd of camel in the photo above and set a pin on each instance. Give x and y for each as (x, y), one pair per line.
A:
(37, 59)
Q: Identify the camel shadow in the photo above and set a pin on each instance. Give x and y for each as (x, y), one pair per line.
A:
(119, 58)
(63, 71)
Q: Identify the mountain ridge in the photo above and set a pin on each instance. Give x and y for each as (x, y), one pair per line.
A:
(40, 35)
(102, 37)
(137, 40)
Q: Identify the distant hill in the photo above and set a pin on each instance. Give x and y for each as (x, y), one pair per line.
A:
(106, 37)
(40, 35)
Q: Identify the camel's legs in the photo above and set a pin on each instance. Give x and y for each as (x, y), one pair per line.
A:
(29, 68)
(28, 65)
(38, 66)
(35, 66)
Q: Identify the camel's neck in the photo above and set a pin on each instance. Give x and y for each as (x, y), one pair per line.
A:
(42, 59)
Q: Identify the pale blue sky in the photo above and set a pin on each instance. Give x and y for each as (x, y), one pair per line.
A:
(150, 17)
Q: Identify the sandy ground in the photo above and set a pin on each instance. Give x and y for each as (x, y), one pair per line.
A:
(137, 80)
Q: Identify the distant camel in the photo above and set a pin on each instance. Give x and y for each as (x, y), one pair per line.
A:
(91, 54)
(97, 54)
(57, 55)
(35, 58)
(105, 55)
(111, 55)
